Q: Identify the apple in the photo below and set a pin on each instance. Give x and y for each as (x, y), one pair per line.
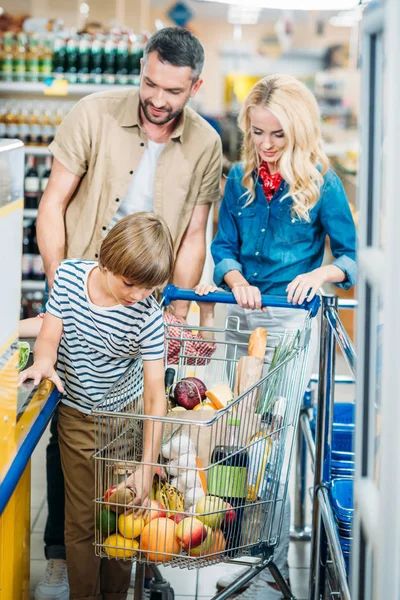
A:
(191, 533)
(156, 511)
(177, 517)
(211, 511)
(230, 515)
(205, 547)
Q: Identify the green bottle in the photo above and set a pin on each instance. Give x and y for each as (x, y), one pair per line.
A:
(72, 61)
(7, 62)
(122, 61)
(59, 58)
(109, 61)
(135, 55)
(84, 59)
(33, 59)
(20, 58)
(96, 61)
(46, 60)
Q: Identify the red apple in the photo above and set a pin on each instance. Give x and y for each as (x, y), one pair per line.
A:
(156, 511)
(230, 515)
(191, 533)
(178, 517)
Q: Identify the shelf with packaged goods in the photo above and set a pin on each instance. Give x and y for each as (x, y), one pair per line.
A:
(30, 213)
(37, 150)
(32, 285)
(71, 89)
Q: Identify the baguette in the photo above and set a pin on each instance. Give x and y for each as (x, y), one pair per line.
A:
(258, 343)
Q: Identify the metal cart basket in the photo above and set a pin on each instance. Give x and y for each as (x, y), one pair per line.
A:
(220, 482)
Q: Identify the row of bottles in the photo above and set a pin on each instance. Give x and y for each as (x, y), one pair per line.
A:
(36, 180)
(84, 58)
(32, 263)
(33, 122)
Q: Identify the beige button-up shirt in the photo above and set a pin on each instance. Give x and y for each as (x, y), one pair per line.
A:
(102, 142)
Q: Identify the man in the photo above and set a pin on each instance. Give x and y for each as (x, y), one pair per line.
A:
(116, 153)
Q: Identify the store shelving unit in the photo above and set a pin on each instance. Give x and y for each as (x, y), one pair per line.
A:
(51, 90)
(12, 88)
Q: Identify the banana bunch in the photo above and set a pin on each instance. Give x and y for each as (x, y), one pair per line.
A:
(168, 495)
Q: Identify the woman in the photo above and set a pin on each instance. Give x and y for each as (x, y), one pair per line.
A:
(279, 205)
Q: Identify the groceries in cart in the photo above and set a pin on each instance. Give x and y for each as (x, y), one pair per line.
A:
(219, 480)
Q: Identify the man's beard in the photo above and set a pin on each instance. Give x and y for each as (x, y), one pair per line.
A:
(169, 114)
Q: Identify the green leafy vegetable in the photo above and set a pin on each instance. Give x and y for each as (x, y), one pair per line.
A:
(24, 350)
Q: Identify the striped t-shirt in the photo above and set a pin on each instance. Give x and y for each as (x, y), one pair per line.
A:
(98, 344)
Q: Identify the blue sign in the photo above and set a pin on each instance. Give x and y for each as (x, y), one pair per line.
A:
(180, 14)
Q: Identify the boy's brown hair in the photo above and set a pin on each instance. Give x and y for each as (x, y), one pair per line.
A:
(140, 249)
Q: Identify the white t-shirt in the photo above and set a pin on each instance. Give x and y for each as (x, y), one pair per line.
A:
(140, 194)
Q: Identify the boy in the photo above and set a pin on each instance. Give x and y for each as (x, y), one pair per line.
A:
(99, 318)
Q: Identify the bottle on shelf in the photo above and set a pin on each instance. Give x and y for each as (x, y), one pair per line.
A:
(19, 58)
(7, 62)
(26, 249)
(37, 272)
(23, 124)
(3, 128)
(11, 121)
(34, 127)
(46, 126)
(122, 61)
(96, 61)
(84, 59)
(59, 57)
(109, 61)
(46, 59)
(72, 61)
(33, 59)
(135, 56)
(32, 184)
(46, 174)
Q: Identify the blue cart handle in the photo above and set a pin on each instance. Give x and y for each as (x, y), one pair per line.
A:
(172, 293)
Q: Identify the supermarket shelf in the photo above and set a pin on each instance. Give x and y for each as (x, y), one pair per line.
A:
(73, 89)
(31, 285)
(30, 213)
(37, 151)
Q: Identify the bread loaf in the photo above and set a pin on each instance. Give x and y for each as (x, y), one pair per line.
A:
(258, 343)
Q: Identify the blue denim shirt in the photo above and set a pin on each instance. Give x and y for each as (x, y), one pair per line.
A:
(270, 246)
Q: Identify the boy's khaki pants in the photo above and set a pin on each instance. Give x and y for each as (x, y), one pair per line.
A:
(90, 577)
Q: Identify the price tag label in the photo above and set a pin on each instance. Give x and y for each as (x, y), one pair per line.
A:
(55, 87)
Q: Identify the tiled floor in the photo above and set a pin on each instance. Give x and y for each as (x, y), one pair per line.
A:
(187, 584)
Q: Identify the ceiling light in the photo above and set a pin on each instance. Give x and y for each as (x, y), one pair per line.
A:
(84, 8)
(243, 15)
(294, 4)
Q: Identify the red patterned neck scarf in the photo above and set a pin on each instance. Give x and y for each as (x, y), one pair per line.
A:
(270, 183)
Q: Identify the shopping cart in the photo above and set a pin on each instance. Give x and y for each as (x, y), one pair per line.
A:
(221, 479)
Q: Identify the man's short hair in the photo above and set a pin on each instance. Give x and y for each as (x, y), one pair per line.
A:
(140, 249)
(178, 47)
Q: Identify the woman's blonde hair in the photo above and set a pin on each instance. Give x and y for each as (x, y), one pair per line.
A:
(303, 161)
(140, 249)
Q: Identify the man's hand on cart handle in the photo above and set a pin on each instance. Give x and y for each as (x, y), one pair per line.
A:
(41, 370)
(140, 483)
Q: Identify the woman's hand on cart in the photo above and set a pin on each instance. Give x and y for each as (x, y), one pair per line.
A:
(41, 370)
(247, 296)
(140, 483)
(305, 286)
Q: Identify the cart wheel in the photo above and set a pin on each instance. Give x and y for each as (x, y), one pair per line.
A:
(161, 590)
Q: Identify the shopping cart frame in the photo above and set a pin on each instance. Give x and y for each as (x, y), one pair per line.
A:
(262, 549)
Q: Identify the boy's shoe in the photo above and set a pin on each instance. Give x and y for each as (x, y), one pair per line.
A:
(55, 583)
(234, 573)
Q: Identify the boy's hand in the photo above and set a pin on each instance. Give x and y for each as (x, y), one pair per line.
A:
(41, 370)
(139, 483)
(203, 289)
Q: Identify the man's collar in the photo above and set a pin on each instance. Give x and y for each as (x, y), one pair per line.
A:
(130, 117)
